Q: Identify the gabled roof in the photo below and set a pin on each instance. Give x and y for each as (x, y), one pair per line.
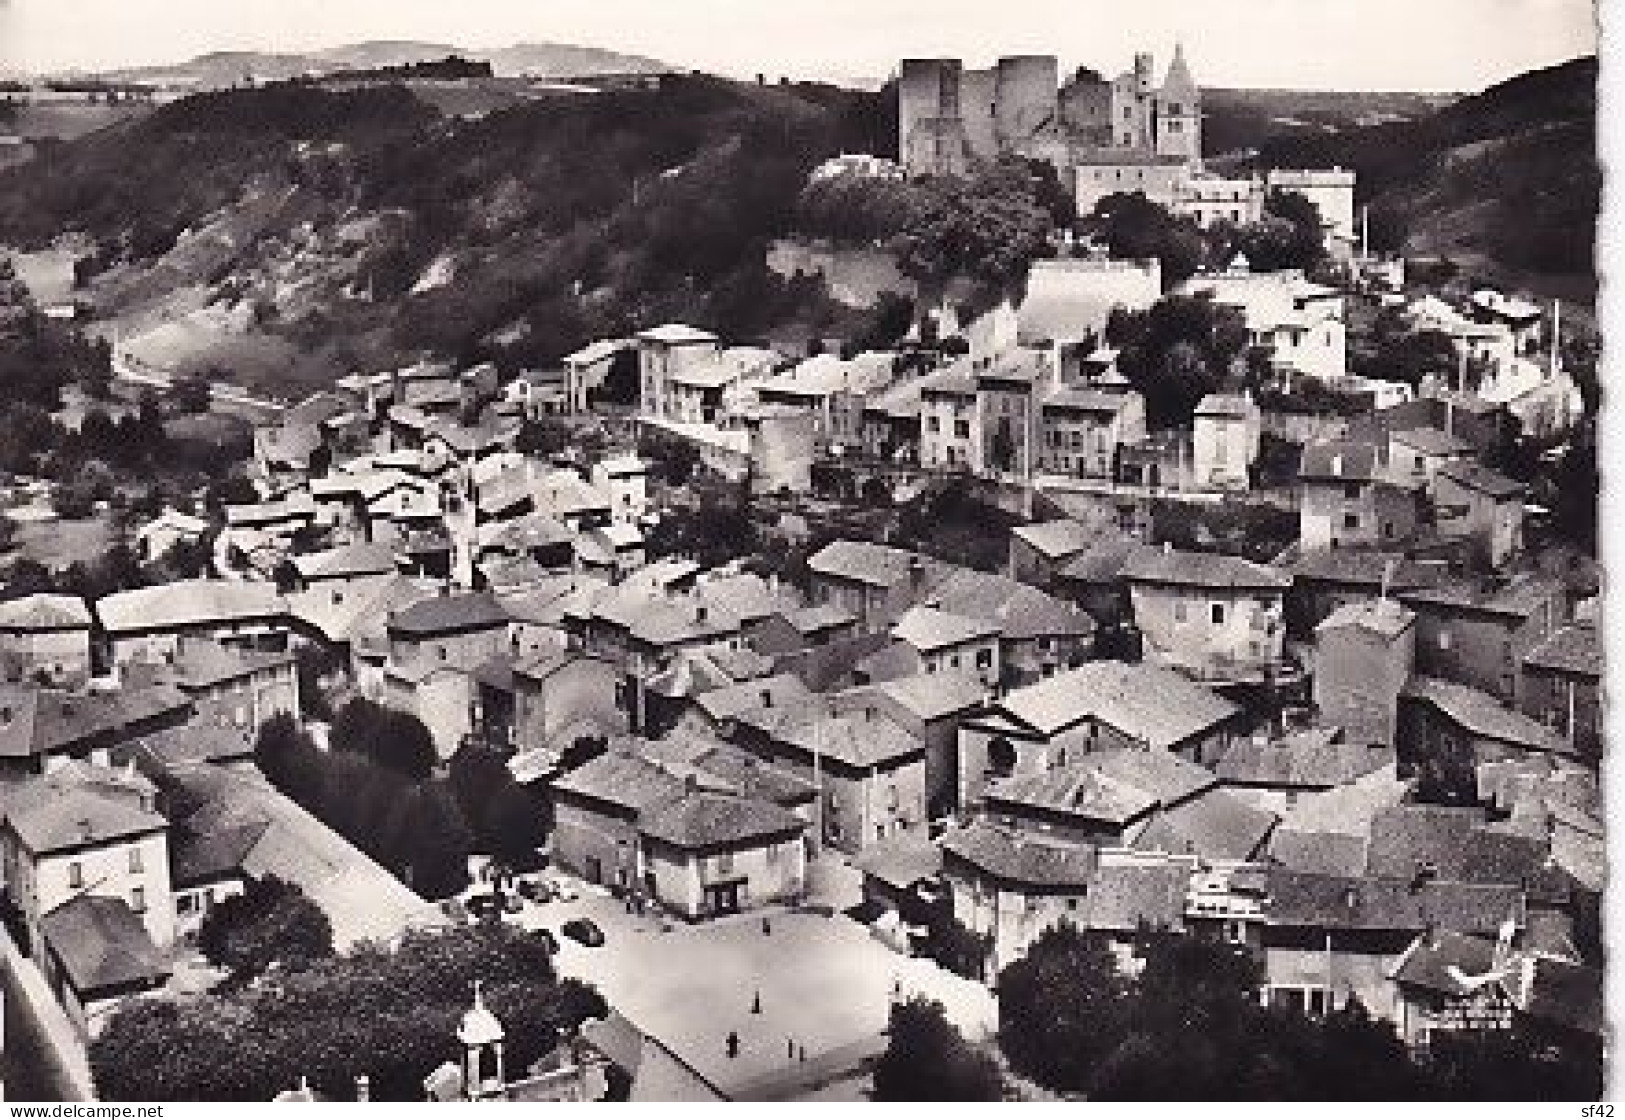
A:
(1329, 832)
(781, 690)
(931, 696)
(624, 780)
(448, 614)
(928, 629)
(1079, 791)
(1523, 596)
(191, 602)
(1124, 897)
(103, 945)
(1022, 858)
(1153, 704)
(45, 611)
(676, 334)
(901, 861)
(201, 664)
(1058, 539)
(701, 819)
(1019, 611)
(875, 565)
(1202, 569)
(861, 739)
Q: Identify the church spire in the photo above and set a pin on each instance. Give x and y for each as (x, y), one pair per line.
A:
(1179, 74)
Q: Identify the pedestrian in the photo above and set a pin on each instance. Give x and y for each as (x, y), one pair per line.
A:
(790, 1047)
(802, 1052)
(733, 1044)
(767, 927)
(756, 1003)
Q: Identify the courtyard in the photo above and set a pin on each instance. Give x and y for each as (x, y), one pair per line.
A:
(822, 983)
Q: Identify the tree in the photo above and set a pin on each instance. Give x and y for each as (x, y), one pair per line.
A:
(1289, 235)
(397, 740)
(1177, 352)
(191, 394)
(1061, 1008)
(1133, 227)
(927, 1059)
(390, 1012)
(271, 922)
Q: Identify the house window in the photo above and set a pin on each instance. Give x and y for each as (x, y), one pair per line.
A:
(725, 863)
(1001, 756)
(1351, 491)
(135, 861)
(1444, 639)
(1351, 521)
(954, 661)
(962, 429)
(984, 659)
(186, 905)
(1218, 614)
(773, 854)
(1179, 610)
(138, 899)
(76, 874)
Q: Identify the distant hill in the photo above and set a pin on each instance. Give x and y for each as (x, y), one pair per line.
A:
(1504, 182)
(224, 69)
(1240, 121)
(298, 232)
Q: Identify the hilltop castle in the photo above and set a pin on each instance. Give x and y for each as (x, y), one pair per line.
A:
(950, 117)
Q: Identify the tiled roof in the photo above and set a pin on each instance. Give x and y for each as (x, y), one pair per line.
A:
(36, 721)
(1020, 612)
(1431, 441)
(1155, 705)
(812, 620)
(1453, 843)
(448, 614)
(103, 945)
(1340, 461)
(901, 861)
(1435, 960)
(1057, 539)
(1367, 568)
(1308, 900)
(1102, 562)
(1520, 597)
(929, 628)
(700, 819)
(1329, 831)
(1307, 760)
(676, 334)
(1080, 790)
(1086, 400)
(189, 603)
(1202, 569)
(1022, 858)
(193, 742)
(44, 611)
(1123, 897)
(861, 739)
(1565, 993)
(1227, 405)
(1482, 714)
(875, 565)
(51, 814)
(1218, 825)
(931, 696)
(1573, 649)
(1476, 476)
(347, 561)
(1380, 616)
(201, 664)
(622, 779)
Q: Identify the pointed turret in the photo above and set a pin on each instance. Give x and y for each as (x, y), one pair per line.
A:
(1179, 81)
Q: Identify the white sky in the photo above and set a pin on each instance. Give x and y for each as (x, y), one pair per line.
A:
(1325, 44)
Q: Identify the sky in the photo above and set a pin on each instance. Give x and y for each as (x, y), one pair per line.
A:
(1447, 45)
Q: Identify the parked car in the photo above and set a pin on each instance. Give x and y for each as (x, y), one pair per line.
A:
(583, 931)
(483, 906)
(536, 890)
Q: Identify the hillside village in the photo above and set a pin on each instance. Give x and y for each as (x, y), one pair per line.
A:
(890, 659)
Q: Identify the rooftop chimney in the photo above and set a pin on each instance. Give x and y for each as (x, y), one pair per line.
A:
(767, 697)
